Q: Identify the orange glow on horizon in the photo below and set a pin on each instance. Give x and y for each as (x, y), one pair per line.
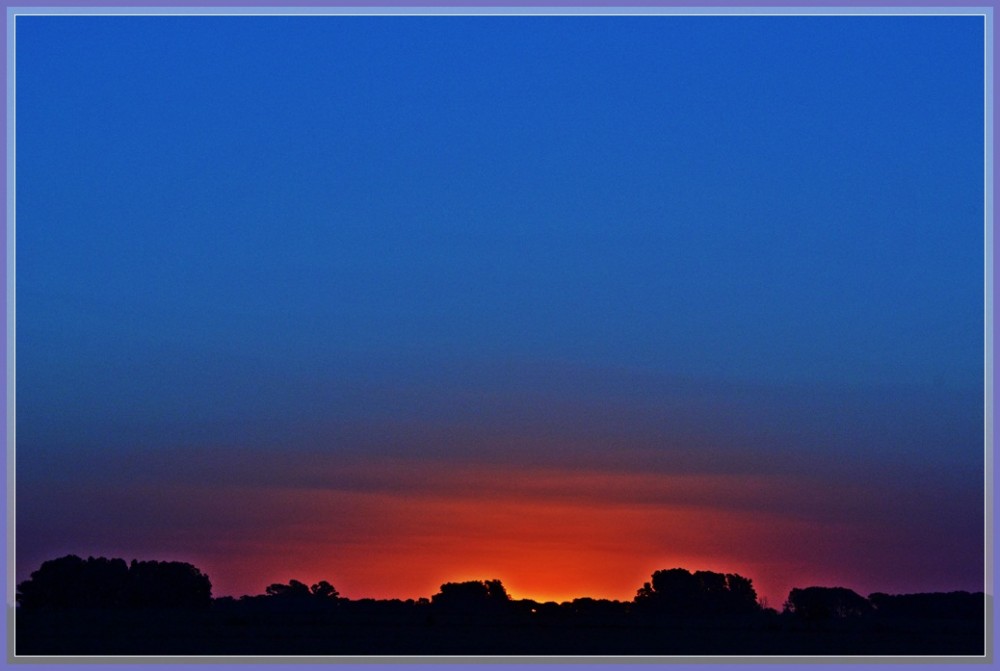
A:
(547, 535)
(398, 528)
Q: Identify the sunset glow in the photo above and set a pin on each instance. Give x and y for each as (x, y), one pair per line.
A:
(401, 528)
(399, 301)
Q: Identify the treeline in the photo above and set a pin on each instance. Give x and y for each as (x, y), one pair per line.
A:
(105, 606)
(72, 582)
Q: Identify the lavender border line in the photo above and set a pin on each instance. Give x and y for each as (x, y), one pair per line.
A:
(983, 8)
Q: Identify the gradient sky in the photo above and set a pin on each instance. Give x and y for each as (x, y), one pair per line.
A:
(393, 301)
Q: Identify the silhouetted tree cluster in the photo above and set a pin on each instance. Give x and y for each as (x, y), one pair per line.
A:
(937, 605)
(828, 603)
(679, 592)
(471, 595)
(296, 590)
(825, 603)
(156, 584)
(72, 582)
(105, 606)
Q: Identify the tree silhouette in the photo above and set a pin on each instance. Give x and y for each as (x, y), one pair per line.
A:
(742, 594)
(823, 603)
(105, 606)
(71, 582)
(296, 590)
(677, 591)
(471, 595)
(938, 605)
(293, 590)
(156, 584)
(324, 590)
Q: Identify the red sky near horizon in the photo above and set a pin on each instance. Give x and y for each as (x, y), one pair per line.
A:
(399, 528)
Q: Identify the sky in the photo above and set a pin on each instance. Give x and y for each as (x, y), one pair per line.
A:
(397, 301)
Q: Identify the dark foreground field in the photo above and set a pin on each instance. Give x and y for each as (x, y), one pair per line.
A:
(216, 632)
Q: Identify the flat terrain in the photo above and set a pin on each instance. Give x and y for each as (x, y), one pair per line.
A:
(422, 632)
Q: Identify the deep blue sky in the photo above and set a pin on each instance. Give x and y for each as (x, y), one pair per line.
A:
(763, 234)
